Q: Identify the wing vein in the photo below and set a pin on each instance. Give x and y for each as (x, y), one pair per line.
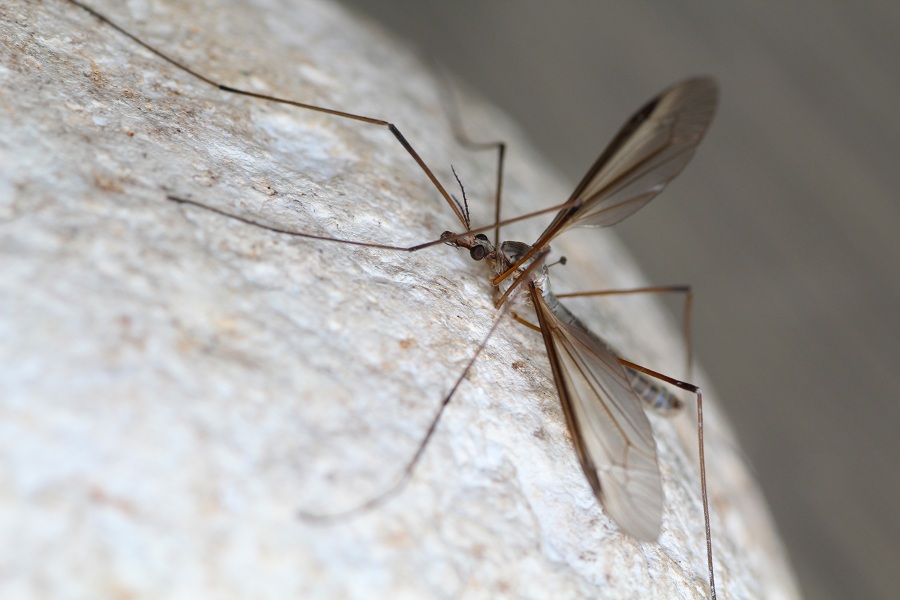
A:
(611, 432)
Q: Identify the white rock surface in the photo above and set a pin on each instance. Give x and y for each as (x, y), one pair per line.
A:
(176, 385)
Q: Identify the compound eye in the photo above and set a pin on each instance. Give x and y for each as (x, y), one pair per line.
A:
(477, 252)
(481, 236)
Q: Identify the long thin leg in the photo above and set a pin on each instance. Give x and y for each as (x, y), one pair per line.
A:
(451, 108)
(408, 470)
(457, 209)
(662, 289)
(442, 240)
(329, 111)
(695, 390)
(687, 311)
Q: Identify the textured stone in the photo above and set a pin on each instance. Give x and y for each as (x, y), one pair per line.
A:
(177, 385)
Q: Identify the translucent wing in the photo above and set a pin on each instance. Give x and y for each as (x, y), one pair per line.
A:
(612, 435)
(647, 153)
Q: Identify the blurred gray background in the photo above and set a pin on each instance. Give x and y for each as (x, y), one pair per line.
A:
(787, 223)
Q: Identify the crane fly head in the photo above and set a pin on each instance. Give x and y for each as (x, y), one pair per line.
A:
(478, 245)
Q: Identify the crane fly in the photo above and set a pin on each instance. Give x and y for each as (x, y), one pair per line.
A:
(602, 396)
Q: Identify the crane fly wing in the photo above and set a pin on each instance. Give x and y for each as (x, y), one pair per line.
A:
(612, 435)
(647, 153)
